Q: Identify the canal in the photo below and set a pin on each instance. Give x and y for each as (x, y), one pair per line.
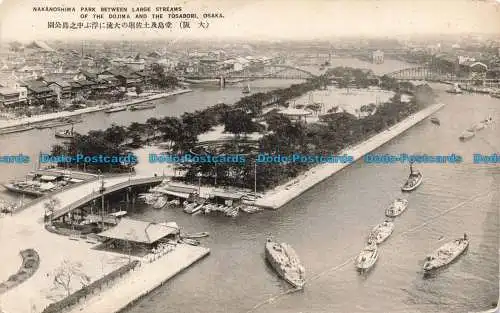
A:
(328, 225)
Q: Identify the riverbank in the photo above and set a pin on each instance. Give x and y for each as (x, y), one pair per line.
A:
(142, 281)
(57, 115)
(283, 194)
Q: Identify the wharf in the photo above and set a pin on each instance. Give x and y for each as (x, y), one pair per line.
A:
(283, 194)
(142, 281)
(22, 124)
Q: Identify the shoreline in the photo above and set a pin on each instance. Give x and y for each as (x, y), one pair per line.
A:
(284, 193)
(142, 281)
(53, 116)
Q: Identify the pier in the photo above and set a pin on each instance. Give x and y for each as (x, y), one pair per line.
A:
(25, 230)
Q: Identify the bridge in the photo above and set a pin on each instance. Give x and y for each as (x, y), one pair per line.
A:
(271, 71)
(435, 74)
(110, 186)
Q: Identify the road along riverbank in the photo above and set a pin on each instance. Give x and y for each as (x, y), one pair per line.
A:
(53, 116)
(279, 196)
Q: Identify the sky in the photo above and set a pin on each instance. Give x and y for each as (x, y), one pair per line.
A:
(265, 19)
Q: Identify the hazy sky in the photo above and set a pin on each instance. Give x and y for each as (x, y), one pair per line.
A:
(268, 19)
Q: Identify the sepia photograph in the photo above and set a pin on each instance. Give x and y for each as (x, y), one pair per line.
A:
(249, 156)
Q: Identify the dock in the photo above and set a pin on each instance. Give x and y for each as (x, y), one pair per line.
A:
(142, 281)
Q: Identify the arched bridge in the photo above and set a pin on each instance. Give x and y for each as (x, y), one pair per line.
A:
(436, 74)
(269, 71)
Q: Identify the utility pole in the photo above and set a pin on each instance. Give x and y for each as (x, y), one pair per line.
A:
(255, 181)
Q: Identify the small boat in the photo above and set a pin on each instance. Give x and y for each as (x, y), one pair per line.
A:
(367, 257)
(15, 129)
(285, 262)
(246, 89)
(397, 207)
(495, 94)
(145, 106)
(192, 242)
(117, 109)
(381, 232)
(466, 135)
(455, 90)
(435, 120)
(193, 208)
(67, 134)
(446, 254)
(196, 235)
(479, 126)
(414, 180)
(160, 203)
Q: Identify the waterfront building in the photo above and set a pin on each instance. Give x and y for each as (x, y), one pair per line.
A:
(39, 93)
(61, 88)
(378, 57)
(8, 97)
(296, 115)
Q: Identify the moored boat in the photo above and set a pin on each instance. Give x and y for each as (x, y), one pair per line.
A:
(381, 232)
(117, 109)
(435, 120)
(397, 207)
(285, 262)
(193, 208)
(455, 90)
(196, 235)
(246, 89)
(446, 254)
(145, 106)
(414, 180)
(160, 203)
(367, 257)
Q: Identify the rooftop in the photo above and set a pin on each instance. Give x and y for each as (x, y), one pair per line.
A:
(139, 231)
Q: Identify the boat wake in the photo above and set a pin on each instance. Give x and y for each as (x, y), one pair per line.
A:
(352, 258)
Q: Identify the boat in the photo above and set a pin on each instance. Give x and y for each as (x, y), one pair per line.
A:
(285, 262)
(495, 94)
(145, 106)
(246, 89)
(435, 120)
(160, 203)
(414, 180)
(192, 242)
(455, 90)
(196, 235)
(367, 257)
(396, 208)
(466, 135)
(446, 254)
(381, 232)
(15, 129)
(193, 208)
(68, 133)
(117, 109)
(478, 126)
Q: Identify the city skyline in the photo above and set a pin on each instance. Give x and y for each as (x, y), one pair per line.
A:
(317, 19)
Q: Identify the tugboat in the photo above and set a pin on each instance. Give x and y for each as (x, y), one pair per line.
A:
(413, 181)
(446, 254)
(367, 258)
(381, 232)
(65, 134)
(397, 207)
(285, 262)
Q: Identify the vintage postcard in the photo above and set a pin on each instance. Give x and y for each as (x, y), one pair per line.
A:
(249, 156)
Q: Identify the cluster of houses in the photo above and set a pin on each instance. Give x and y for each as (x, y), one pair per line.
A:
(57, 89)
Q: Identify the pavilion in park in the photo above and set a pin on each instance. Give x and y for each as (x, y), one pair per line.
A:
(296, 115)
(138, 236)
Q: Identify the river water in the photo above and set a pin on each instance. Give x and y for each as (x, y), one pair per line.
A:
(328, 225)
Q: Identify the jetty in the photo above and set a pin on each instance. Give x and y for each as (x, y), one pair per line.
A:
(283, 194)
(25, 230)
